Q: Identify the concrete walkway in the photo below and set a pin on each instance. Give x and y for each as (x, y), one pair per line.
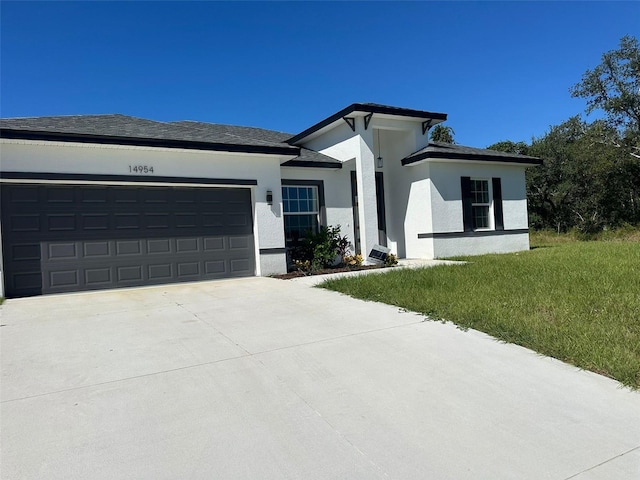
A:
(267, 379)
(313, 280)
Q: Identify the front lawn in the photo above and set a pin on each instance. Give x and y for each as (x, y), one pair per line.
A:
(575, 301)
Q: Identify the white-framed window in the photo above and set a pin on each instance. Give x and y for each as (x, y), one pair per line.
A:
(301, 209)
(481, 203)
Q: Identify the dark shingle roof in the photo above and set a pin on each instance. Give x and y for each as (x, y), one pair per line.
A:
(460, 152)
(122, 129)
(306, 158)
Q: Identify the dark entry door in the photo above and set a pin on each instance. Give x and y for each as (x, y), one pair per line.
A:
(380, 205)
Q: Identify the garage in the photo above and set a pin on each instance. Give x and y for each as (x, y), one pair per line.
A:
(67, 238)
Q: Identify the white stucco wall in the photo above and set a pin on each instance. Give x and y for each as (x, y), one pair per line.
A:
(78, 158)
(340, 142)
(446, 194)
(451, 247)
(419, 215)
(446, 206)
(406, 191)
(393, 138)
(366, 187)
(356, 146)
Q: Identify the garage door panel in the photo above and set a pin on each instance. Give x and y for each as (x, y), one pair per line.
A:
(65, 279)
(94, 221)
(210, 219)
(23, 252)
(215, 267)
(98, 277)
(214, 244)
(160, 246)
(61, 222)
(186, 220)
(128, 247)
(188, 269)
(57, 195)
(27, 281)
(126, 195)
(98, 249)
(238, 243)
(60, 251)
(94, 195)
(25, 195)
(163, 271)
(25, 222)
(187, 245)
(154, 195)
(58, 239)
(157, 220)
(239, 265)
(127, 221)
(184, 196)
(129, 273)
(238, 220)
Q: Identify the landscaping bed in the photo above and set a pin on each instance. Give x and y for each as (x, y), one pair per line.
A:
(326, 271)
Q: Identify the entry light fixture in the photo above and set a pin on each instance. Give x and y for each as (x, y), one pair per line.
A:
(269, 197)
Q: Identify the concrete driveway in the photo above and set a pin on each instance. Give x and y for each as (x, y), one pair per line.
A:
(267, 379)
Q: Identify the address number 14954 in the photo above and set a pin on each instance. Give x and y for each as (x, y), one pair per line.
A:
(140, 169)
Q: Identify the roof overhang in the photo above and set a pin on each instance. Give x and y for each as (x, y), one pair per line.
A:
(19, 134)
(456, 156)
(310, 164)
(428, 119)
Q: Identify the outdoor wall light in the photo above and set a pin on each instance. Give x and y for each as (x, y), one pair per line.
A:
(269, 197)
(379, 161)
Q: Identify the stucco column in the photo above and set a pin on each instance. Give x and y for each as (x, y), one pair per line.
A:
(366, 180)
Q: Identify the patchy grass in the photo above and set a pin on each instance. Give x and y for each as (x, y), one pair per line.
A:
(575, 301)
(626, 233)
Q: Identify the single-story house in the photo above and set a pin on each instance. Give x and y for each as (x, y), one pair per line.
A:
(105, 201)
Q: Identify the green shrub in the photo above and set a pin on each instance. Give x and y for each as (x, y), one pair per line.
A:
(321, 248)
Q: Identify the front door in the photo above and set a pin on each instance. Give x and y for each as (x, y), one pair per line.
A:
(382, 220)
(380, 206)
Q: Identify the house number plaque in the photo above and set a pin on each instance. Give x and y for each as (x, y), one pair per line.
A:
(141, 169)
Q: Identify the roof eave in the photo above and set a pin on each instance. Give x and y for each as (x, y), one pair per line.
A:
(364, 108)
(306, 164)
(18, 134)
(530, 161)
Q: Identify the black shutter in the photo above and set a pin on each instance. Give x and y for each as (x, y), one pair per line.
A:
(497, 204)
(467, 210)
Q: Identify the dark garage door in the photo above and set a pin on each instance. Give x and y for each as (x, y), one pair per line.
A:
(71, 238)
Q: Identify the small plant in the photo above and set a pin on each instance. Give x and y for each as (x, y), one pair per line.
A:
(303, 265)
(353, 260)
(391, 260)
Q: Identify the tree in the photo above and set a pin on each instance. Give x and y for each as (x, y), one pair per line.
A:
(443, 134)
(583, 183)
(508, 146)
(614, 87)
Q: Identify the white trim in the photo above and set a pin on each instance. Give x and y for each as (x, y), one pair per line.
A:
(489, 204)
(132, 184)
(108, 146)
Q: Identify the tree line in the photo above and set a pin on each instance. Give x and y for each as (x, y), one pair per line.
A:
(590, 178)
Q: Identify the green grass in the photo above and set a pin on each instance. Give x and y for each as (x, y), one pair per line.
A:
(575, 301)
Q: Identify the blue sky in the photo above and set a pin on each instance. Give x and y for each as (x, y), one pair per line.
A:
(500, 70)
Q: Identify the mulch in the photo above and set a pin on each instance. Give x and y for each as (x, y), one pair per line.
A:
(325, 271)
